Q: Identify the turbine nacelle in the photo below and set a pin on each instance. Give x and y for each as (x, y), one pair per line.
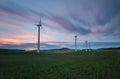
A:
(75, 36)
(39, 25)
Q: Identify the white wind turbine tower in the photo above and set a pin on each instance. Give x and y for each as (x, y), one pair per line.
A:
(75, 43)
(39, 26)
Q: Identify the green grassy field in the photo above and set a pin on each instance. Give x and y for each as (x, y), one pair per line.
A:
(81, 65)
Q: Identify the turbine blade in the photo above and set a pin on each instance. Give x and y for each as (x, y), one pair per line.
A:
(43, 29)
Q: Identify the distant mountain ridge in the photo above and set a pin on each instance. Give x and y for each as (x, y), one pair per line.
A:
(112, 48)
(61, 49)
(10, 50)
(17, 50)
(51, 50)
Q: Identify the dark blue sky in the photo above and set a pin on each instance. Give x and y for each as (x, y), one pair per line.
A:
(92, 20)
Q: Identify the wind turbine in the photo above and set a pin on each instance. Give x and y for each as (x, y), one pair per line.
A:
(39, 26)
(75, 43)
(86, 42)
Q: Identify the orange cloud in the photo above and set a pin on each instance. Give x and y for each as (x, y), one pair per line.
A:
(9, 41)
(24, 38)
(19, 39)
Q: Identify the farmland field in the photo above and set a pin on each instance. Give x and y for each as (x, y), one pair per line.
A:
(80, 65)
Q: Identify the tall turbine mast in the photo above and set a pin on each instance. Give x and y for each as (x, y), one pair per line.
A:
(75, 43)
(39, 25)
(86, 42)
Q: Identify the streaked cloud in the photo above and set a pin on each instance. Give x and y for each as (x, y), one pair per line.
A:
(94, 20)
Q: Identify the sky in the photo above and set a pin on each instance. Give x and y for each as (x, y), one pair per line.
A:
(95, 21)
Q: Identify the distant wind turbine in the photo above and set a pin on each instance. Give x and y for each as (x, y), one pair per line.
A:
(75, 43)
(86, 42)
